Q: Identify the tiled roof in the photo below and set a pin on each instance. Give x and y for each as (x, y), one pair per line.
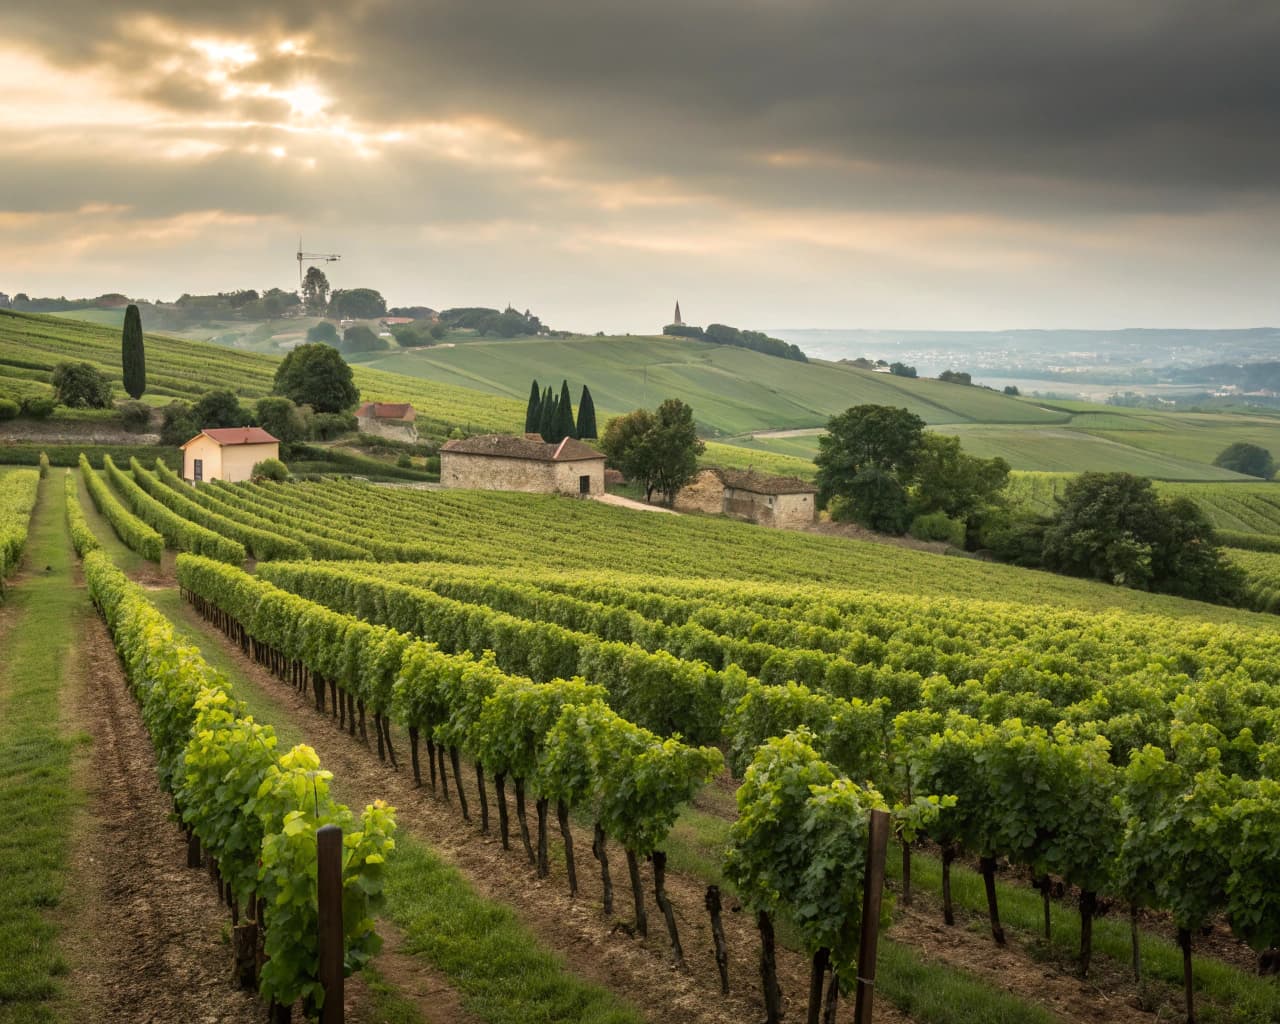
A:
(762, 483)
(387, 410)
(236, 435)
(508, 447)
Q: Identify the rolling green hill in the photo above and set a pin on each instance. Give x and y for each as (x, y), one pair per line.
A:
(732, 391)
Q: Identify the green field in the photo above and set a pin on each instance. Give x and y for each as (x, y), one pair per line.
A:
(731, 390)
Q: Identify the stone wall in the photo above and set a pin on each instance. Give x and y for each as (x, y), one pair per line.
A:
(795, 510)
(782, 510)
(393, 430)
(494, 473)
(705, 494)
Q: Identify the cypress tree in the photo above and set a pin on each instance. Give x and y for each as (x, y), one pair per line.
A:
(133, 360)
(586, 415)
(531, 413)
(564, 414)
(547, 415)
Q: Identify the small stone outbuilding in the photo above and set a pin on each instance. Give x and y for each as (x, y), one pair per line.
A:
(393, 420)
(226, 453)
(782, 501)
(498, 462)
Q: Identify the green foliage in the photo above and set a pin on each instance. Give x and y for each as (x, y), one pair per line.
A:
(136, 416)
(82, 537)
(547, 414)
(315, 290)
(658, 450)
(283, 420)
(902, 370)
(360, 338)
(178, 424)
(44, 465)
(81, 386)
(937, 526)
(316, 375)
(357, 304)
(8, 409)
(38, 408)
(586, 427)
(133, 358)
(270, 469)
(1113, 527)
(949, 481)
(881, 446)
(723, 334)
(17, 498)
(955, 377)
(1250, 459)
(220, 408)
(564, 425)
(325, 332)
(136, 535)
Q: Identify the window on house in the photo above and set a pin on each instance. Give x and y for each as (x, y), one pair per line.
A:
(197, 470)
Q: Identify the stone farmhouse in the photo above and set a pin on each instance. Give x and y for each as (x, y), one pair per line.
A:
(393, 420)
(497, 462)
(768, 500)
(226, 453)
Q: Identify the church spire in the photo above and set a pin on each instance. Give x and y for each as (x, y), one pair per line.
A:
(677, 319)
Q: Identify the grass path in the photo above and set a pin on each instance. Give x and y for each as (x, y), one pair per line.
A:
(43, 615)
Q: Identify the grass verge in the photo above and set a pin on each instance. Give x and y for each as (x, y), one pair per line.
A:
(36, 800)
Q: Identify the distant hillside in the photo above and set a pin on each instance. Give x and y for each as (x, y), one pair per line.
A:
(31, 345)
(732, 391)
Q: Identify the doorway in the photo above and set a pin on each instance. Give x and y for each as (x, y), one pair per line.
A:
(584, 485)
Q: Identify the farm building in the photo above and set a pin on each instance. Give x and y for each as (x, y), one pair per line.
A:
(496, 462)
(393, 420)
(768, 500)
(226, 453)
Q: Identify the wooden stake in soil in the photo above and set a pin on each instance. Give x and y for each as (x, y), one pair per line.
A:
(664, 904)
(413, 756)
(524, 821)
(1133, 938)
(444, 777)
(1088, 905)
(504, 825)
(457, 783)
(988, 867)
(833, 998)
(571, 868)
(544, 868)
(1184, 940)
(637, 894)
(431, 760)
(872, 894)
(1044, 885)
(484, 799)
(769, 970)
(600, 850)
(906, 873)
(717, 936)
(329, 922)
(817, 976)
(948, 855)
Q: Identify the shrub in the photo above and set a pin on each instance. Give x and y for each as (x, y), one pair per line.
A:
(270, 469)
(8, 408)
(38, 408)
(44, 465)
(404, 462)
(937, 526)
(81, 386)
(327, 425)
(136, 416)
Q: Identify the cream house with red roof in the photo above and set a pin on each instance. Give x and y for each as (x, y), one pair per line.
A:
(226, 453)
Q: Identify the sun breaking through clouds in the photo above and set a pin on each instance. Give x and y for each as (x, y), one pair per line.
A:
(819, 163)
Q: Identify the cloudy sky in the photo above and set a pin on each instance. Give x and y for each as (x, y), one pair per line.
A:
(771, 163)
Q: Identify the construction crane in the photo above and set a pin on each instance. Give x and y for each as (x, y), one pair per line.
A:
(323, 257)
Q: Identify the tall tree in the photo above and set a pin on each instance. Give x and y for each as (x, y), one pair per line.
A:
(879, 444)
(132, 357)
(657, 450)
(586, 415)
(316, 375)
(547, 415)
(315, 290)
(532, 410)
(564, 414)
(1251, 459)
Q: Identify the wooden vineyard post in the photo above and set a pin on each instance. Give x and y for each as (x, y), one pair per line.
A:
(717, 935)
(872, 892)
(329, 921)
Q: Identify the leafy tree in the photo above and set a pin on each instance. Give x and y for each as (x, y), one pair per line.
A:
(316, 375)
(586, 415)
(1113, 527)
(315, 290)
(883, 444)
(219, 408)
(902, 370)
(1250, 459)
(179, 423)
(1012, 390)
(953, 482)
(361, 339)
(357, 303)
(81, 386)
(325, 331)
(955, 377)
(270, 469)
(564, 414)
(547, 415)
(132, 356)
(438, 331)
(533, 409)
(658, 450)
(280, 418)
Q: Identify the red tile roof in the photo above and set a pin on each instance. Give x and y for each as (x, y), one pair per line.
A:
(236, 435)
(535, 449)
(387, 410)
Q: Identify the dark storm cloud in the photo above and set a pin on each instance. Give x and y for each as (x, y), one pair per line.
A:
(1181, 100)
